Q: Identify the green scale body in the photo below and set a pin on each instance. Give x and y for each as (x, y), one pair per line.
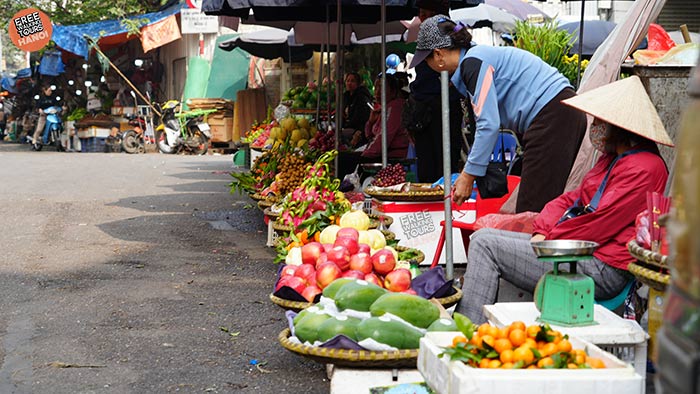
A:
(565, 298)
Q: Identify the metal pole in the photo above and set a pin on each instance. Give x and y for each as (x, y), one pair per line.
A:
(383, 109)
(445, 100)
(338, 111)
(580, 44)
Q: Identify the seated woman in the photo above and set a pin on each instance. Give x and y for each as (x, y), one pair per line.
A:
(632, 166)
(396, 136)
(356, 100)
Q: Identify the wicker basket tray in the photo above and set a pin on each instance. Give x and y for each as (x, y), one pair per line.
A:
(433, 195)
(265, 204)
(351, 358)
(646, 255)
(259, 197)
(270, 213)
(654, 279)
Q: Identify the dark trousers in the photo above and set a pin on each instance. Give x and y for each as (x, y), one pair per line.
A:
(550, 146)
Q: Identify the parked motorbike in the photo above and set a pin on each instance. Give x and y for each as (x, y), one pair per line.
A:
(52, 130)
(183, 131)
(132, 141)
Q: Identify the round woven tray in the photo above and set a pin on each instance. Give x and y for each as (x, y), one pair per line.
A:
(646, 255)
(351, 358)
(268, 212)
(447, 302)
(265, 204)
(651, 278)
(433, 195)
(290, 305)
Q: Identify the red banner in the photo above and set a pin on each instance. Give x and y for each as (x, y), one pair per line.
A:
(160, 33)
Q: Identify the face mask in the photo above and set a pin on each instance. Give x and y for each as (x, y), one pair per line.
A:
(597, 135)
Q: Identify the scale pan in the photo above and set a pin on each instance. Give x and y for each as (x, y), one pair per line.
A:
(563, 247)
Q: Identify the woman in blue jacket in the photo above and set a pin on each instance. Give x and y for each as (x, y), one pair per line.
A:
(512, 89)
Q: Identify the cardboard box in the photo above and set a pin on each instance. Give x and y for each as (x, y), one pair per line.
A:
(417, 225)
(93, 131)
(455, 377)
(221, 128)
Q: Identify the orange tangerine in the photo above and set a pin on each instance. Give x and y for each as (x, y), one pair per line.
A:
(488, 339)
(564, 345)
(517, 325)
(594, 362)
(507, 366)
(548, 349)
(517, 336)
(556, 334)
(493, 331)
(545, 362)
(483, 329)
(506, 356)
(502, 344)
(503, 332)
(523, 354)
(529, 342)
(532, 331)
(476, 340)
(496, 363)
(458, 339)
(484, 363)
(571, 366)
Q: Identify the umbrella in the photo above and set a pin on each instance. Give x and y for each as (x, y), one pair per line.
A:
(594, 33)
(485, 15)
(271, 43)
(519, 8)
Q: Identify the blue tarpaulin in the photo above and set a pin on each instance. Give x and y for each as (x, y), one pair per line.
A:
(72, 38)
(51, 64)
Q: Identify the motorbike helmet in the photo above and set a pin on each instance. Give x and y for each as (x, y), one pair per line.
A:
(170, 104)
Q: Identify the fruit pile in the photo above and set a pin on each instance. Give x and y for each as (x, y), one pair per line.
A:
(306, 97)
(292, 131)
(323, 140)
(292, 171)
(343, 252)
(516, 346)
(316, 199)
(392, 174)
(257, 134)
(369, 315)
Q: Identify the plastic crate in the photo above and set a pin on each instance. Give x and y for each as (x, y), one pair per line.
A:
(93, 145)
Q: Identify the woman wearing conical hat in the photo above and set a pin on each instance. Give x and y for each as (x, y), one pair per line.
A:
(626, 129)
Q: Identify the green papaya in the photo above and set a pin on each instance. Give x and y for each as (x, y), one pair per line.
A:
(307, 328)
(411, 308)
(330, 290)
(344, 325)
(443, 325)
(389, 332)
(358, 295)
(304, 312)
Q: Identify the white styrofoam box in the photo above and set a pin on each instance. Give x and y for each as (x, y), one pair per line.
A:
(94, 104)
(353, 381)
(254, 154)
(617, 378)
(93, 131)
(622, 337)
(417, 225)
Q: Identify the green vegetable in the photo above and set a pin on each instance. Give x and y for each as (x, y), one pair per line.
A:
(331, 290)
(307, 328)
(388, 332)
(411, 308)
(358, 295)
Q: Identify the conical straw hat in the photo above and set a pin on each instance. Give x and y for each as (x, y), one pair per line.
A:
(625, 104)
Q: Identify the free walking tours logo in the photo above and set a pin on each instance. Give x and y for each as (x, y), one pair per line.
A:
(30, 29)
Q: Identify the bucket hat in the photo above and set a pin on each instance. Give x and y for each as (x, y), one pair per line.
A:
(429, 38)
(625, 104)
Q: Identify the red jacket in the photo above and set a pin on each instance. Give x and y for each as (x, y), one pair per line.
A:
(396, 136)
(612, 224)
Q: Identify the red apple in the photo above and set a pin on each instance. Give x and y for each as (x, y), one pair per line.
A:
(398, 280)
(410, 291)
(322, 258)
(288, 270)
(310, 293)
(353, 274)
(295, 283)
(340, 256)
(364, 248)
(305, 270)
(361, 262)
(383, 261)
(327, 247)
(310, 252)
(373, 278)
(349, 243)
(327, 273)
(348, 232)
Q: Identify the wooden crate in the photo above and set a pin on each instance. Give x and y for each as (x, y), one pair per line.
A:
(221, 128)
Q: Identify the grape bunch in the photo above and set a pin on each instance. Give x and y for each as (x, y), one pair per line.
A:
(391, 175)
(292, 173)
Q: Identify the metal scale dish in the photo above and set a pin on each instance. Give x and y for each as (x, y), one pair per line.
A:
(565, 298)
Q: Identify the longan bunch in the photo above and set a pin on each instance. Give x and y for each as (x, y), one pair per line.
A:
(293, 172)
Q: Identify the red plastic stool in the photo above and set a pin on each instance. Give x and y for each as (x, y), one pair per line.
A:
(483, 208)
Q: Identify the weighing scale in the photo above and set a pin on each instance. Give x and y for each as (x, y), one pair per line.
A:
(565, 298)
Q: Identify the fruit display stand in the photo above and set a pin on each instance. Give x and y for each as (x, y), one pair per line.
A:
(455, 377)
(622, 337)
(417, 223)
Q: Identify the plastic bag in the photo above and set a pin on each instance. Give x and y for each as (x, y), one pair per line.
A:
(519, 222)
(659, 40)
(351, 182)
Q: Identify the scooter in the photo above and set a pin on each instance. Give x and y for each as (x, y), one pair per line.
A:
(183, 131)
(132, 140)
(52, 130)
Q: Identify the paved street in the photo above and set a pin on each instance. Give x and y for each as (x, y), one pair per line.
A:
(114, 280)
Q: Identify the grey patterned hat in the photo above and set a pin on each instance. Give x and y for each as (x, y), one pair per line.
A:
(429, 38)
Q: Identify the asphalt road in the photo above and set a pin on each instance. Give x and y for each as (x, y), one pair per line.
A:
(136, 274)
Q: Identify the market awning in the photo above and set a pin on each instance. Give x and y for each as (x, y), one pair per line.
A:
(110, 32)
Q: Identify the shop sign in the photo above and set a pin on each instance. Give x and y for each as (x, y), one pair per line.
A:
(30, 29)
(194, 21)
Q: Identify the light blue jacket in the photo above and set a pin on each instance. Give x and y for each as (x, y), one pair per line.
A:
(507, 87)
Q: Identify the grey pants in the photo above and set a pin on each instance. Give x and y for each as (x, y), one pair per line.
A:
(495, 254)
